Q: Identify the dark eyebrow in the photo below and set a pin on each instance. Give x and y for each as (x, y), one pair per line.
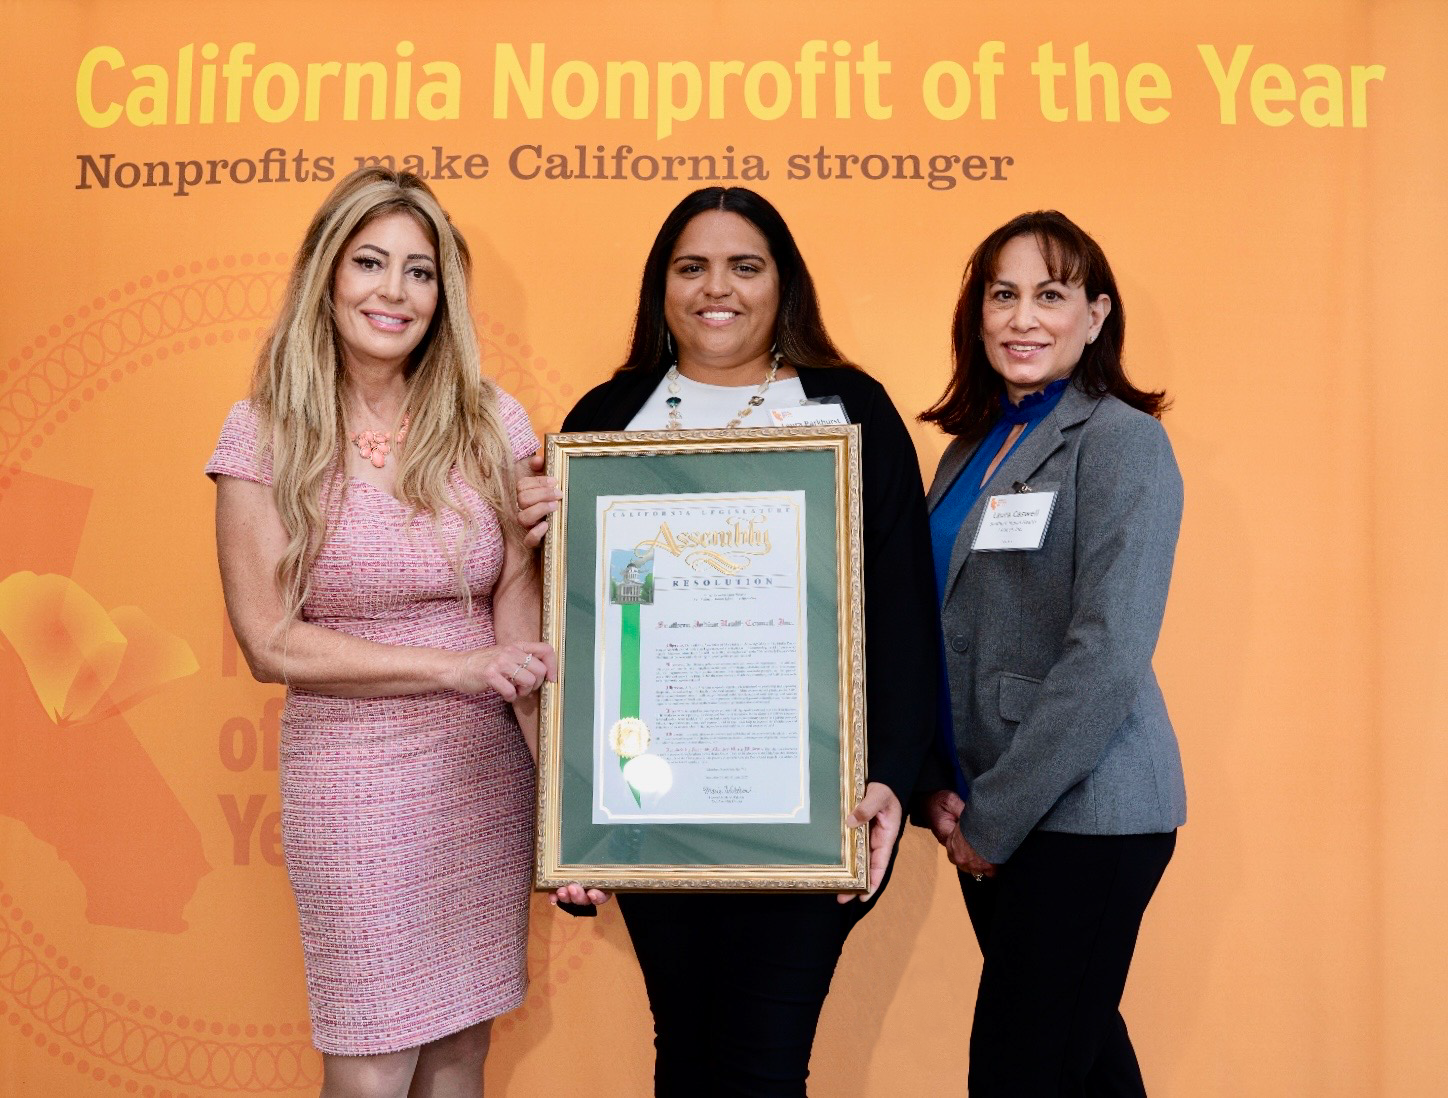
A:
(732, 258)
(1039, 285)
(383, 251)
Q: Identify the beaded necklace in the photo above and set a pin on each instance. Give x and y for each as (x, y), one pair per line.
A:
(374, 446)
(674, 400)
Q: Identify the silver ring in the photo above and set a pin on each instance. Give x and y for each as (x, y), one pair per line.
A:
(527, 659)
(513, 678)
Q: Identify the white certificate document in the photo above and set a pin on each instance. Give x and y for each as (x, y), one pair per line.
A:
(701, 682)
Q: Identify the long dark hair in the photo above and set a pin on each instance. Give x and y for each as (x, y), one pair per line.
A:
(799, 331)
(970, 402)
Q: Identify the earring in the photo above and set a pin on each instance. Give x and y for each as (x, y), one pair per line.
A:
(669, 343)
(1091, 338)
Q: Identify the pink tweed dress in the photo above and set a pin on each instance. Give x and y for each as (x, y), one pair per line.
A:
(407, 822)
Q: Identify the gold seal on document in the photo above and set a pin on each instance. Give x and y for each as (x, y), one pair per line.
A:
(629, 737)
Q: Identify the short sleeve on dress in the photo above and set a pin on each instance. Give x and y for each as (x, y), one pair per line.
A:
(521, 438)
(236, 451)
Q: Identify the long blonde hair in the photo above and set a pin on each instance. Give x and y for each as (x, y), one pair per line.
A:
(297, 386)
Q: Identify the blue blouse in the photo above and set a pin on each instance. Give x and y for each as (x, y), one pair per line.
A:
(956, 504)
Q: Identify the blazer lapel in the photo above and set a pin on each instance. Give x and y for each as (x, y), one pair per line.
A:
(1043, 441)
(951, 463)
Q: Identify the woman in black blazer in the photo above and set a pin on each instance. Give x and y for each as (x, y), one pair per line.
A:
(727, 312)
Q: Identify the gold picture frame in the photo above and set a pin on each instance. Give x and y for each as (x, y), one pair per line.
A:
(680, 750)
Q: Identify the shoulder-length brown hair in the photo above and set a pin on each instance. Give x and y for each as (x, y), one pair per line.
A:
(970, 403)
(799, 330)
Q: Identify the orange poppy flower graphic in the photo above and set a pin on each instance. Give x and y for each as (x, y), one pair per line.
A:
(84, 663)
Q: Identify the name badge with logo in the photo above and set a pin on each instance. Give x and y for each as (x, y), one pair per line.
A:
(1016, 521)
(809, 415)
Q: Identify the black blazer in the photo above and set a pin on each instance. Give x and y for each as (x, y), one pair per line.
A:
(901, 650)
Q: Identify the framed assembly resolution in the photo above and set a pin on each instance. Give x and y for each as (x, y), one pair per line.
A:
(707, 730)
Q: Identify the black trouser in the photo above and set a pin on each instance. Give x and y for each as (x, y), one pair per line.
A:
(736, 982)
(1057, 926)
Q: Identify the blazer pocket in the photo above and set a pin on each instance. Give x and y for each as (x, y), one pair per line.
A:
(1017, 694)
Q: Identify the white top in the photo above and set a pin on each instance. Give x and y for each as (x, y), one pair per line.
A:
(705, 406)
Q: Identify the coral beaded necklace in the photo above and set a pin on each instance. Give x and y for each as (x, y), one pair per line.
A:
(376, 445)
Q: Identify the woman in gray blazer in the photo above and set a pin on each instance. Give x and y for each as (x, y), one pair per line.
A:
(1054, 517)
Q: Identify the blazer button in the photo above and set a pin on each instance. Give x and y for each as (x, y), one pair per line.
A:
(959, 642)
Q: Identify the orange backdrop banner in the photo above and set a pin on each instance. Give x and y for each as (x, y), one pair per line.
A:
(1260, 176)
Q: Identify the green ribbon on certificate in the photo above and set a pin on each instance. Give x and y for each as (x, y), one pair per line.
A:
(629, 734)
(629, 674)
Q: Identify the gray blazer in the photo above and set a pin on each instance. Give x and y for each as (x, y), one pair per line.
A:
(1058, 720)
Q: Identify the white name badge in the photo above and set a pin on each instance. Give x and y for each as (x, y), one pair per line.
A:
(808, 415)
(1016, 521)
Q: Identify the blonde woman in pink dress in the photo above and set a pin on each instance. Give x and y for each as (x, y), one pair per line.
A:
(372, 562)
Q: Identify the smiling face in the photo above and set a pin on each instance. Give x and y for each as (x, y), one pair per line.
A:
(721, 298)
(384, 292)
(1035, 326)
